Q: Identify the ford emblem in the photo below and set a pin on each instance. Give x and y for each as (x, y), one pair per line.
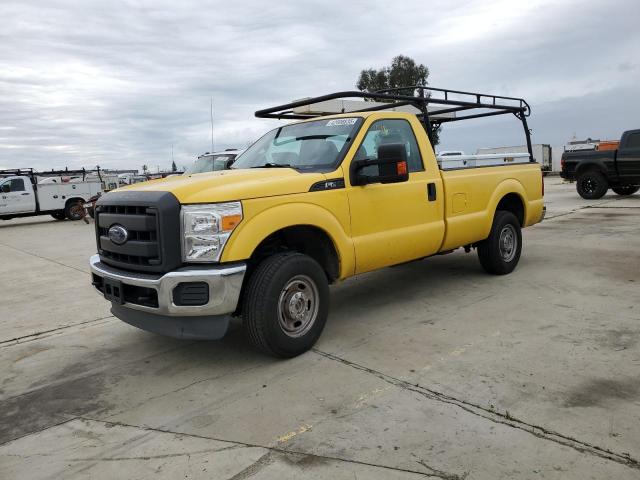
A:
(118, 234)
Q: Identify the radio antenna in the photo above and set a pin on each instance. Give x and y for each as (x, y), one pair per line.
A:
(212, 149)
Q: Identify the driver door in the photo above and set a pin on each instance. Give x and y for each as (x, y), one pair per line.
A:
(397, 222)
(16, 196)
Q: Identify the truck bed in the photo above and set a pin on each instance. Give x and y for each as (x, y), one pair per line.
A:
(472, 195)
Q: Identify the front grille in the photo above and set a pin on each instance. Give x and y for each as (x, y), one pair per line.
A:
(141, 222)
(152, 222)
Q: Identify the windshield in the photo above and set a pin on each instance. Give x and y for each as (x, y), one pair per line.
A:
(209, 163)
(317, 145)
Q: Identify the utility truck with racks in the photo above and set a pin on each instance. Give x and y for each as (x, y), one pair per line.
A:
(309, 204)
(61, 194)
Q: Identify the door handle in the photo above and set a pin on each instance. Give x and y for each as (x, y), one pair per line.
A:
(25, 193)
(431, 192)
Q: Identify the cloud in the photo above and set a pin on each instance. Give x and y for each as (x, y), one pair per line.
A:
(119, 83)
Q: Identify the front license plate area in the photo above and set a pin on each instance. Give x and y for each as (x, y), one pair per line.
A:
(113, 291)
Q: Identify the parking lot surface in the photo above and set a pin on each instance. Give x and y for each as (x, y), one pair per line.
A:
(426, 370)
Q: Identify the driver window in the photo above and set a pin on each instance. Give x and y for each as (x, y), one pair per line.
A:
(17, 185)
(389, 131)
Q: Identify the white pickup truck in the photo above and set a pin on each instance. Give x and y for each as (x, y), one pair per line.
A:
(24, 193)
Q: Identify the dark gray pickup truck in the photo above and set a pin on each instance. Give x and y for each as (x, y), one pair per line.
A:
(595, 171)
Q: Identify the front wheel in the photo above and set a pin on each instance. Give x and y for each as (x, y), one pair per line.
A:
(625, 190)
(499, 254)
(592, 185)
(285, 304)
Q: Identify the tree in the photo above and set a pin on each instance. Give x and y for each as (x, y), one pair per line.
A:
(145, 169)
(174, 168)
(403, 71)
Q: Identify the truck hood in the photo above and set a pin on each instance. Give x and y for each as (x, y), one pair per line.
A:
(229, 185)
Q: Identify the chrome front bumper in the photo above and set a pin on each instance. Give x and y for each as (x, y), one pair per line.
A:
(224, 283)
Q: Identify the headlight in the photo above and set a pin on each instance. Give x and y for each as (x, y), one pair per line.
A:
(206, 229)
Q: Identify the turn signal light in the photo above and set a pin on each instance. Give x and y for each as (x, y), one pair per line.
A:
(230, 222)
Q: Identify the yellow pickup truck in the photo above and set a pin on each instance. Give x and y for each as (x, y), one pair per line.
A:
(309, 204)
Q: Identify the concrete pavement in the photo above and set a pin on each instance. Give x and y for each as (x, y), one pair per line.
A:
(431, 369)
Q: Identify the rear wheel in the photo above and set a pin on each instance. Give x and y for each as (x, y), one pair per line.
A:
(625, 189)
(499, 254)
(59, 215)
(286, 304)
(592, 185)
(74, 210)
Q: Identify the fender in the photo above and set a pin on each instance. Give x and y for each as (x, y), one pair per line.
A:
(532, 208)
(592, 164)
(258, 226)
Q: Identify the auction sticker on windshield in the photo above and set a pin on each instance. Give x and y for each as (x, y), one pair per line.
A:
(341, 121)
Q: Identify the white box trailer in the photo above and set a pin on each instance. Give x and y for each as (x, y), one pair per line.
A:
(26, 194)
(541, 153)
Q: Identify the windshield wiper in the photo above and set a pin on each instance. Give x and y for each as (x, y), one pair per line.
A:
(273, 165)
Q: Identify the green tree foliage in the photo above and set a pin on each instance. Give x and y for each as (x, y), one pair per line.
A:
(403, 71)
(174, 168)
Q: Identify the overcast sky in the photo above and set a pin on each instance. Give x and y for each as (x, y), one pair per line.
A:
(118, 83)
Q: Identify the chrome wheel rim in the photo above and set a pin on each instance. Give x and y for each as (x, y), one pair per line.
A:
(298, 306)
(508, 243)
(589, 185)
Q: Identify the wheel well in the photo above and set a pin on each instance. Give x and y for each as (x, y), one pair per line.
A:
(512, 203)
(588, 168)
(73, 200)
(305, 239)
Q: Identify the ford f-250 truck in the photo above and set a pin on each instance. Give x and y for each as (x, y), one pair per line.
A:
(309, 204)
(595, 171)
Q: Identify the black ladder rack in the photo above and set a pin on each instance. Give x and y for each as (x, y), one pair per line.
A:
(478, 104)
(29, 172)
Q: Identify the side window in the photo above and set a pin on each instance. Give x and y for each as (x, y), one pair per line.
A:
(17, 185)
(390, 131)
(634, 141)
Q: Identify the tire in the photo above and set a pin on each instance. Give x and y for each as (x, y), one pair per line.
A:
(74, 210)
(625, 190)
(59, 215)
(499, 254)
(285, 304)
(592, 185)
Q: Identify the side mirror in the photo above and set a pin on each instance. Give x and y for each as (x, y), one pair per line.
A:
(228, 163)
(391, 163)
(6, 188)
